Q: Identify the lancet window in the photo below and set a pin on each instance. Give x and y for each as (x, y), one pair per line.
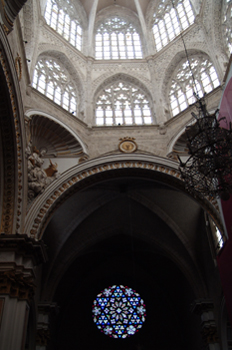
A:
(117, 38)
(122, 103)
(168, 22)
(60, 15)
(227, 23)
(183, 85)
(55, 82)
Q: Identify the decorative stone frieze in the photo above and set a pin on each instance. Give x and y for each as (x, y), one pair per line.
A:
(16, 285)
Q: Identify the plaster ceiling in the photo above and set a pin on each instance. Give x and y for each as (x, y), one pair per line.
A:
(130, 4)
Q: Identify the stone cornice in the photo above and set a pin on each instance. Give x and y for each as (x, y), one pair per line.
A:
(25, 246)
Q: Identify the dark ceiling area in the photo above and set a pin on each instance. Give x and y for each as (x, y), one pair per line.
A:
(124, 260)
(135, 232)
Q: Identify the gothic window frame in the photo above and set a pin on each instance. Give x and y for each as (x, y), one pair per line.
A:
(114, 104)
(227, 24)
(168, 22)
(64, 20)
(56, 83)
(109, 40)
(181, 85)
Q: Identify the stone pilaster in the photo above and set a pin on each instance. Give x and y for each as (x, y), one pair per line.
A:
(43, 325)
(209, 332)
(19, 255)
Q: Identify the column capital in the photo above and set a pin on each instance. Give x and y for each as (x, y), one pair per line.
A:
(17, 285)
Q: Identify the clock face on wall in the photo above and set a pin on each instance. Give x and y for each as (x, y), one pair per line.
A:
(119, 311)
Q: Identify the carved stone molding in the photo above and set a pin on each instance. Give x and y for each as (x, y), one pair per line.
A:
(88, 172)
(11, 124)
(16, 285)
(24, 246)
(11, 9)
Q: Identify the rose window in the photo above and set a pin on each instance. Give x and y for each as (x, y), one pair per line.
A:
(119, 311)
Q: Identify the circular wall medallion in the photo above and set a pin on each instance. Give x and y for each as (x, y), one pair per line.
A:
(127, 146)
(119, 311)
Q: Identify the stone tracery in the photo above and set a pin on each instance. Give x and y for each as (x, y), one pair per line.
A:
(122, 103)
(169, 22)
(55, 82)
(182, 85)
(117, 38)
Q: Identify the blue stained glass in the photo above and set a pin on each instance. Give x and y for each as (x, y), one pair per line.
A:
(119, 311)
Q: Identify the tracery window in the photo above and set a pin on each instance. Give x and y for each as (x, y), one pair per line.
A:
(168, 22)
(227, 23)
(181, 91)
(122, 103)
(117, 39)
(119, 311)
(60, 15)
(55, 82)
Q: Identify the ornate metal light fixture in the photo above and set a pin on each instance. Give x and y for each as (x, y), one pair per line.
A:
(208, 169)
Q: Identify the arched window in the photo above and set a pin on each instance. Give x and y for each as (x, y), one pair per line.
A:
(169, 22)
(61, 16)
(227, 23)
(117, 39)
(55, 82)
(181, 91)
(122, 103)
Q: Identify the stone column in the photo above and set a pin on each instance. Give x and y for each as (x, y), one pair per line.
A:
(204, 308)
(43, 325)
(19, 255)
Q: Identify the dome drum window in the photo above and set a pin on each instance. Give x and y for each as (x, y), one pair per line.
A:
(169, 22)
(117, 39)
(181, 91)
(54, 82)
(59, 16)
(122, 104)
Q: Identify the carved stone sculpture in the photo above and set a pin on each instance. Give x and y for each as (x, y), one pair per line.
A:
(38, 178)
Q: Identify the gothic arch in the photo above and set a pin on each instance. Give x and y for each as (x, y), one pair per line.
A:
(103, 82)
(83, 175)
(65, 62)
(123, 13)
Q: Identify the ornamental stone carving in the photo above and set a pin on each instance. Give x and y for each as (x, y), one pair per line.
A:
(16, 285)
(38, 178)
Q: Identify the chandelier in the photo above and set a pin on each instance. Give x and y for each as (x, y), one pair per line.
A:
(208, 170)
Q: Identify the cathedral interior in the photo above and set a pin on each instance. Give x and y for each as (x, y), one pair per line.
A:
(101, 243)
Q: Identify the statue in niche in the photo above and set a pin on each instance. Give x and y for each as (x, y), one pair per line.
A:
(38, 178)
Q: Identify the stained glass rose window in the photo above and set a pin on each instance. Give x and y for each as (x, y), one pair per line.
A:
(119, 311)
